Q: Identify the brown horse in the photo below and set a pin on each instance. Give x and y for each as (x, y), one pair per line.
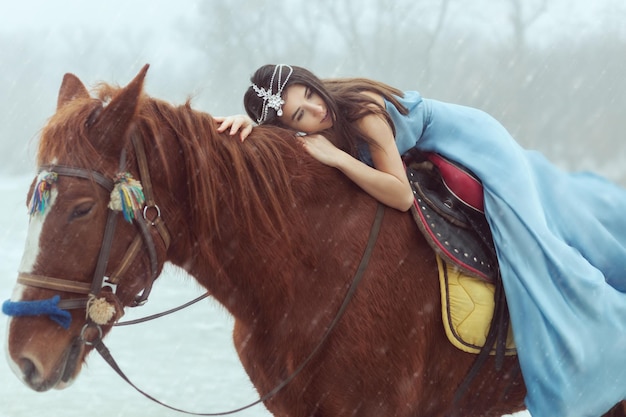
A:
(275, 236)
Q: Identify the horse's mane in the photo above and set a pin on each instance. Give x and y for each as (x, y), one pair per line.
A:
(249, 180)
(253, 181)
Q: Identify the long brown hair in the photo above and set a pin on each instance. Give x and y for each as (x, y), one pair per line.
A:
(353, 105)
(343, 96)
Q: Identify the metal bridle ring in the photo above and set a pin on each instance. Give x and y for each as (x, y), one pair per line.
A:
(82, 333)
(145, 213)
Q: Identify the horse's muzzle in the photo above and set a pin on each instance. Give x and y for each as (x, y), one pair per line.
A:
(33, 373)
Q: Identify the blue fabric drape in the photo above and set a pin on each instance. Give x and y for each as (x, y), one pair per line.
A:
(561, 243)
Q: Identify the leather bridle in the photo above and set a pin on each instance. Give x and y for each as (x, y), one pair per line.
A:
(143, 237)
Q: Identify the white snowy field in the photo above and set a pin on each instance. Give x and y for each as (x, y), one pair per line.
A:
(186, 359)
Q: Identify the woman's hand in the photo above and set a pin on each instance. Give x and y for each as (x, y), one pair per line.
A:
(386, 181)
(237, 123)
(321, 149)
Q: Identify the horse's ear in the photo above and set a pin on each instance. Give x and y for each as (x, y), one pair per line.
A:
(109, 129)
(71, 89)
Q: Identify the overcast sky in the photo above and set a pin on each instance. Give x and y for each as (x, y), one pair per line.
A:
(110, 40)
(573, 17)
(149, 27)
(154, 30)
(30, 15)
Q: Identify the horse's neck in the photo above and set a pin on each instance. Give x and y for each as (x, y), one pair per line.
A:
(252, 277)
(257, 280)
(243, 275)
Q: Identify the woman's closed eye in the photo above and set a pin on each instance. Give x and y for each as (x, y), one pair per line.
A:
(308, 93)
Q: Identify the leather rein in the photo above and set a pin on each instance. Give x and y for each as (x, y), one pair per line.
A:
(360, 271)
(144, 236)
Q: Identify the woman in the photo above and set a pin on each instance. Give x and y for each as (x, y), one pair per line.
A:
(307, 108)
(560, 237)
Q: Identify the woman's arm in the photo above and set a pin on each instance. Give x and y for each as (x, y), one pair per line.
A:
(387, 182)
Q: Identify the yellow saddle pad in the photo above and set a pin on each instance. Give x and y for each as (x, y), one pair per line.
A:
(468, 307)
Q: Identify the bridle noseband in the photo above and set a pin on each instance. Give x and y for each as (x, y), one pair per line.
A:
(144, 236)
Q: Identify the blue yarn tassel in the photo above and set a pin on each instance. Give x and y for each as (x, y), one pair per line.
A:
(41, 194)
(47, 307)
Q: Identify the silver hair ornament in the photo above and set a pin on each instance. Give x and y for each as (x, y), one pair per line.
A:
(273, 100)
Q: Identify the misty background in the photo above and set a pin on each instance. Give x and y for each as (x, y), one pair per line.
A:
(552, 71)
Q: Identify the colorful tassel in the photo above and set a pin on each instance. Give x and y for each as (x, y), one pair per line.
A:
(127, 196)
(41, 194)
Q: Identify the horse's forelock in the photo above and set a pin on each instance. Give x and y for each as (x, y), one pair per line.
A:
(105, 91)
(64, 139)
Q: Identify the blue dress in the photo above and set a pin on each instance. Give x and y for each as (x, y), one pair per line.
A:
(561, 244)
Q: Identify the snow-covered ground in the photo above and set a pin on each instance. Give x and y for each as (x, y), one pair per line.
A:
(186, 359)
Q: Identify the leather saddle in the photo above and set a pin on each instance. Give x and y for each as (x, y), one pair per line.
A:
(449, 212)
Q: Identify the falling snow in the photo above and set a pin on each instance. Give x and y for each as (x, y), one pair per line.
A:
(188, 359)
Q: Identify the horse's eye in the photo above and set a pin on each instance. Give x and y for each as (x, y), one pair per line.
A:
(81, 210)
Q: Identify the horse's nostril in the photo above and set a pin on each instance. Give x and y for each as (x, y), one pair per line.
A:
(29, 370)
(32, 375)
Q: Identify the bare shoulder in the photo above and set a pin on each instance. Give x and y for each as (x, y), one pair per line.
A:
(376, 97)
(376, 127)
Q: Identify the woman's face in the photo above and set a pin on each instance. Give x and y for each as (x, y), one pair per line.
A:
(304, 110)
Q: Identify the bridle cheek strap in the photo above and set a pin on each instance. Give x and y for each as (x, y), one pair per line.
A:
(98, 282)
(135, 247)
(145, 233)
(131, 253)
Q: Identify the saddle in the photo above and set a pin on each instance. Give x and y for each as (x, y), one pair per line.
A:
(449, 211)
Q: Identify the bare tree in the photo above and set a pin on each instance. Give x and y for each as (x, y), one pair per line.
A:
(522, 22)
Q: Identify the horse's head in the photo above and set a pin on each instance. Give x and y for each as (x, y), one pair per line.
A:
(81, 266)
